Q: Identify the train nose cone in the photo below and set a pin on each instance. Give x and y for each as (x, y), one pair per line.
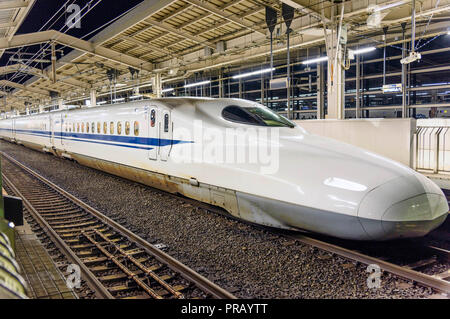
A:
(407, 206)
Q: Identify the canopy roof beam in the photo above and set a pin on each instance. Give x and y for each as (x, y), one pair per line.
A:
(75, 43)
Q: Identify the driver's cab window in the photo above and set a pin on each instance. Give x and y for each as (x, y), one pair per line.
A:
(255, 115)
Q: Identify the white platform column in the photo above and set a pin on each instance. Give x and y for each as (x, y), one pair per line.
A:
(157, 85)
(93, 94)
(335, 42)
(320, 91)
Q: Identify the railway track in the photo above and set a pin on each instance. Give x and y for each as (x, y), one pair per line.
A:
(424, 256)
(415, 271)
(369, 253)
(114, 262)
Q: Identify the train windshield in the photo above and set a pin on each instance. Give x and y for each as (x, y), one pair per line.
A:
(255, 116)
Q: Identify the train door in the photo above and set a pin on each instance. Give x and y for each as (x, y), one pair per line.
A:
(166, 135)
(13, 129)
(62, 128)
(51, 130)
(153, 131)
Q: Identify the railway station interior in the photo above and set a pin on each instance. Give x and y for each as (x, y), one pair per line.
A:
(254, 151)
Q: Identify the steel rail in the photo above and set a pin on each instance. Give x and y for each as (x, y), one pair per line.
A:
(403, 272)
(189, 274)
(89, 277)
(438, 284)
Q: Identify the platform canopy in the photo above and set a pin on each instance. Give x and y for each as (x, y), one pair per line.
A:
(178, 38)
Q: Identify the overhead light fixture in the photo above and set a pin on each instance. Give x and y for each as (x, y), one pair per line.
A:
(196, 84)
(119, 100)
(322, 58)
(135, 96)
(102, 102)
(244, 75)
(448, 32)
(412, 57)
(167, 90)
(364, 50)
(389, 6)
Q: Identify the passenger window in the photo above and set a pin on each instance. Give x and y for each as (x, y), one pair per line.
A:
(105, 128)
(136, 128)
(166, 123)
(127, 128)
(73, 127)
(93, 127)
(87, 127)
(111, 128)
(119, 128)
(98, 127)
(153, 118)
(82, 127)
(78, 127)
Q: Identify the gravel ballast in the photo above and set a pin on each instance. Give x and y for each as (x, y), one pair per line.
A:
(248, 261)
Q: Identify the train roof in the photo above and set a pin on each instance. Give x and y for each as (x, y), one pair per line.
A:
(172, 102)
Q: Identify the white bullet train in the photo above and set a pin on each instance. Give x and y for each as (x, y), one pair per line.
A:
(318, 184)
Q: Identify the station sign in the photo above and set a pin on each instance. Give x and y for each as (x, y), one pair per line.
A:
(389, 88)
(280, 83)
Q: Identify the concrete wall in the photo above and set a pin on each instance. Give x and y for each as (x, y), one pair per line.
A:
(392, 138)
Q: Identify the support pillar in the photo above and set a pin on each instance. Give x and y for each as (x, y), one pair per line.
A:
(240, 88)
(157, 85)
(220, 84)
(358, 91)
(262, 89)
(320, 91)
(60, 104)
(336, 76)
(93, 94)
(53, 63)
(5, 104)
(404, 102)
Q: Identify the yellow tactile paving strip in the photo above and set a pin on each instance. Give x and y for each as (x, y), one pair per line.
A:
(44, 280)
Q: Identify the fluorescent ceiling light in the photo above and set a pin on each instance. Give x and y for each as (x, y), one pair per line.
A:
(135, 96)
(102, 102)
(388, 6)
(119, 100)
(196, 84)
(167, 90)
(364, 50)
(244, 75)
(322, 58)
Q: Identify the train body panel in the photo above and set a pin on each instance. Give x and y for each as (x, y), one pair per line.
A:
(308, 182)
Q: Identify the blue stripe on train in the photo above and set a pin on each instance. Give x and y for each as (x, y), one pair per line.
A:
(99, 138)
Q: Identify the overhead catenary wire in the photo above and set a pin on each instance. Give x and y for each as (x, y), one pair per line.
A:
(40, 29)
(46, 46)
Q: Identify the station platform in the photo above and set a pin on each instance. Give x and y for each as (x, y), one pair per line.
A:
(442, 180)
(43, 278)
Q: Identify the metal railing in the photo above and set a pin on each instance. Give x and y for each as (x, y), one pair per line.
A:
(432, 148)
